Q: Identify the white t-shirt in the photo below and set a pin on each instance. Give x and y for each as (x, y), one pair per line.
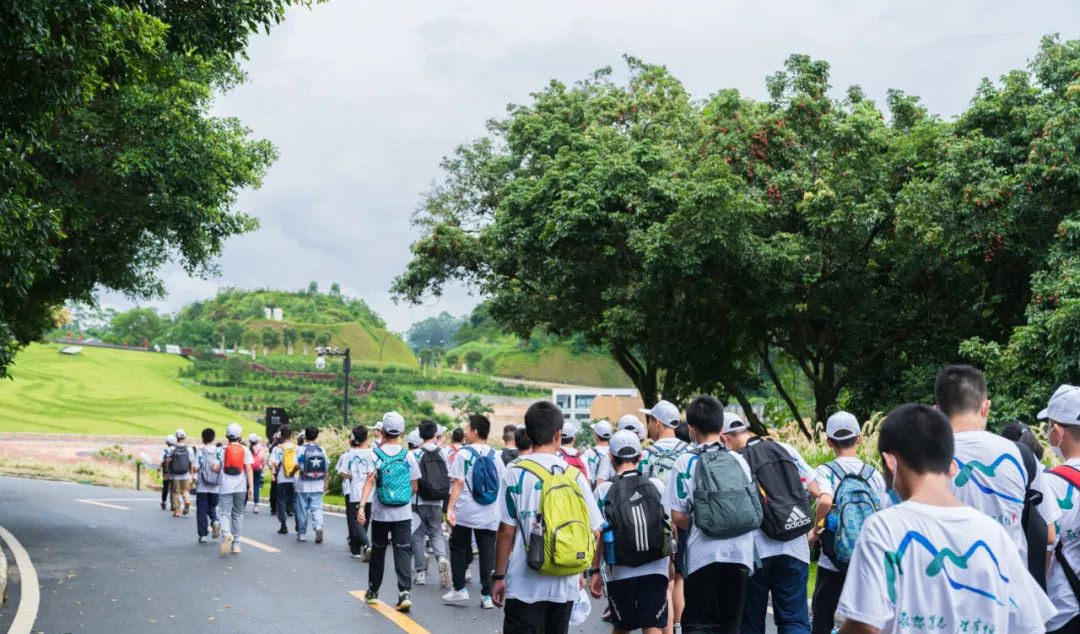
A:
(594, 458)
(308, 486)
(234, 483)
(450, 452)
(992, 479)
(702, 550)
(798, 548)
(355, 462)
(519, 499)
(653, 452)
(277, 459)
(827, 482)
(205, 457)
(920, 567)
(469, 512)
(617, 573)
(380, 513)
(192, 457)
(418, 453)
(1067, 498)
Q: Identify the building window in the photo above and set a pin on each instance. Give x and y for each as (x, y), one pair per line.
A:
(584, 401)
(563, 401)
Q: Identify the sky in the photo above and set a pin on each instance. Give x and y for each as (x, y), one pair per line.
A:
(363, 99)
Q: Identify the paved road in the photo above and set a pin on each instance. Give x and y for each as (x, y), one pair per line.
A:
(135, 568)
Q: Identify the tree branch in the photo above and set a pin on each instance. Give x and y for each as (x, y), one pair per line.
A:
(783, 392)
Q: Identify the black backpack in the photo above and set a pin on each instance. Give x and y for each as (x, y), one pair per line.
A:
(180, 462)
(509, 455)
(434, 476)
(785, 504)
(1035, 529)
(638, 520)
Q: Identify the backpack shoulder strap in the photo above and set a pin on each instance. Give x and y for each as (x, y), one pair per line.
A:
(1068, 473)
(1031, 464)
(473, 451)
(867, 472)
(536, 469)
(836, 470)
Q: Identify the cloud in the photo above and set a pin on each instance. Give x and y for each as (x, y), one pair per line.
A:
(363, 99)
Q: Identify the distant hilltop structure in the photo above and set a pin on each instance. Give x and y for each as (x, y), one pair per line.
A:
(274, 314)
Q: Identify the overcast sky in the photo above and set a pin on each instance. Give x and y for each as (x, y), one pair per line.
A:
(362, 99)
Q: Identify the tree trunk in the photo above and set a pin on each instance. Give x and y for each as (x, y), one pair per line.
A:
(784, 394)
(643, 377)
(752, 419)
(305, 348)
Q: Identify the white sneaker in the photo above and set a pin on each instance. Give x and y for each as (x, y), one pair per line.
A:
(202, 539)
(357, 556)
(226, 543)
(301, 538)
(444, 572)
(255, 509)
(215, 529)
(486, 603)
(236, 548)
(367, 554)
(468, 575)
(420, 579)
(456, 595)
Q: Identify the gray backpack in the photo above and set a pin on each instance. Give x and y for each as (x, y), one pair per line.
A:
(725, 502)
(208, 476)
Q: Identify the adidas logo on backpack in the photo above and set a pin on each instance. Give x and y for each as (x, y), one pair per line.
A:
(796, 519)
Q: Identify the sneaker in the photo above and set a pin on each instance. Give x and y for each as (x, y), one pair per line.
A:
(403, 602)
(468, 575)
(202, 539)
(162, 506)
(226, 543)
(367, 554)
(371, 597)
(255, 509)
(301, 537)
(187, 507)
(486, 603)
(176, 513)
(236, 548)
(444, 572)
(318, 535)
(283, 530)
(456, 595)
(420, 579)
(215, 529)
(357, 555)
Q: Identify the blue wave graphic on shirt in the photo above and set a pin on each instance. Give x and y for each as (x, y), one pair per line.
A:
(966, 470)
(893, 566)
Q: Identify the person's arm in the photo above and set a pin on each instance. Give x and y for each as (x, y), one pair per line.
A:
(364, 497)
(1051, 542)
(596, 581)
(854, 627)
(456, 487)
(250, 481)
(504, 544)
(824, 505)
(680, 519)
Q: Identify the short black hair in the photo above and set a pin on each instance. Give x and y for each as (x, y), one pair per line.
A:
(844, 443)
(959, 389)
(359, 434)
(567, 440)
(543, 422)
(509, 432)
(705, 414)
(521, 439)
(1017, 431)
(458, 435)
(919, 435)
(427, 429)
(481, 425)
(208, 435)
(285, 431)
(682, 432)
(311, 433)
(618, 462)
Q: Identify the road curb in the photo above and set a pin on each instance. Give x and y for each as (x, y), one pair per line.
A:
(3, 577)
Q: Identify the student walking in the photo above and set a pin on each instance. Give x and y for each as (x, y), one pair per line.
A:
(181, 467)
(472, 512)
(568, 452)
(931, 562)
(284, 462)
(637, 543)
(235, 489)
(394, 477)
(712, 495)
(509, 452)
(537, 576)
(1062, 416)
(207, 482)
(310, 486)
(595, 456)
(273, 474)
(353, 466)
(259, 455)
(433, 490)
(170, 442)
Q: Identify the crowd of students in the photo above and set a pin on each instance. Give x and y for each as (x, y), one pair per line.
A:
(693, 525)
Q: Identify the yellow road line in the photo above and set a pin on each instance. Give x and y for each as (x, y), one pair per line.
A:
(399, 619)
(29, 594)
(105, 504)
(259, 545)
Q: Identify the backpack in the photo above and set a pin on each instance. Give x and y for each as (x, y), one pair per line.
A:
(208, 476)
(725, 502)
(785, 504)
(661, 462)
(314, 464)
(561, 543)
(1072, 476)
(485, 477)
(393, 483)
(1031, 521)
(637, 517)
(434, 476)
(234, 459)
(256, 461)
(180, 460)
(509, 455)
(854, 501)
(288, 461)
(574, 460)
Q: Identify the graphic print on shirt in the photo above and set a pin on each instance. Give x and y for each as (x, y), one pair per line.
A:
(1066, 503)
(893, 565)
(966, 469)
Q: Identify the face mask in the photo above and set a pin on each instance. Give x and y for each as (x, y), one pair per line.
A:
(1056, 449)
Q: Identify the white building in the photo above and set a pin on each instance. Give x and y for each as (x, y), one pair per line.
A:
(576, 404)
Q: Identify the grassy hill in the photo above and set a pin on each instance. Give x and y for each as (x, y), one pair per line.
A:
(102, 391)
(552, 361)
(363, 340)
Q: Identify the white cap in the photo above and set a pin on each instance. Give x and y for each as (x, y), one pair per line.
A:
(393, 424)
(842, 426)
(733, 424)
(602, 429)
(414, 438)
(625, 444)
(253, 438)
(377, 426)
(170, 440)
(632, 423)
(569, 429)
(664, 412)
(234, 431)
(440, 430)
(181, 434)
(1064, 406)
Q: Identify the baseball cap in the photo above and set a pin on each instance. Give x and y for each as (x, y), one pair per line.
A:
(632, 423)
(569, 429)
(393, 424)
(732, 424)
(1064, 406)
(414, 438)
(841, 426)
(181, 434)
(665, 412)
(253, 438)
(625, 444)
(440, 430)
(234, 431)
(170, 440)
(602, 429)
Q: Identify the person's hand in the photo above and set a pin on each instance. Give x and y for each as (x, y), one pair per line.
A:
(596, 586)
(360, 514)
(451, 518)
(498, 592)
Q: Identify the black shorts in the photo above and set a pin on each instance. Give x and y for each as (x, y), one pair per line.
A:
(680, 552)
(542, 617)
(639, 602)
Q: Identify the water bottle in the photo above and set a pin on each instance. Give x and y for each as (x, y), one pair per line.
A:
(831, 522)
(609, 544)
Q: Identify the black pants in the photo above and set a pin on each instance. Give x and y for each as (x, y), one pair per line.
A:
(714, 596)
(286, 500)
(400, 533)
(358, 537)
(461, 555)
(542, 617)
(164, 491)
(826, 597)
(273, 497)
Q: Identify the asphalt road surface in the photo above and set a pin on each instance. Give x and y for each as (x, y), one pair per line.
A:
(110, 560)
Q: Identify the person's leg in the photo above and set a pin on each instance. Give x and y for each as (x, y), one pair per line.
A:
(827, 588)
(788, 577)
(315, 514)
(165, 486)
(273, 497)
(351, 509)
(402, 537)
(236, 522)
(714, 598)
(460, 543)
(380, 534)
(557, 617)
(257, 480)
(202, 522)
(432, 518)
(282, 502)
(185, 493)
(485, 542)
(419, 536)
(303, 503)
(757, 598)
(174, 496)
(652, 603)
(678, 602)
(213, 500)
(291, 489)
(225, 503)
(522, 618)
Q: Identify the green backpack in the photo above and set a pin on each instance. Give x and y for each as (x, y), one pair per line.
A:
(561, 544)
(725, 502)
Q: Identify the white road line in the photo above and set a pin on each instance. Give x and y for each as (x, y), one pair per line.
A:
(105, 504)
(29, 593)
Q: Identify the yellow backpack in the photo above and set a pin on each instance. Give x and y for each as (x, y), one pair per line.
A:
(288, 460)
(561, 544)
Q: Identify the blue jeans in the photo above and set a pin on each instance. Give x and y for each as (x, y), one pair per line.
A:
(785, 577)
(308, 507)
(205, 511)
(257, 479)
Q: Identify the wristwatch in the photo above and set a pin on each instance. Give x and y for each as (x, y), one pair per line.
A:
(496, 576)
(592, 571)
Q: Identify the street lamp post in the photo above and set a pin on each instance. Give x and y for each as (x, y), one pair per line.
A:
(337, 352)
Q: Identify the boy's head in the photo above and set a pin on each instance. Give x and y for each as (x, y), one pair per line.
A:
(522, 441)
(543, 423)
(602, 431)
(311, 433)
(479, 428)
(414, 440)
(428, 429)
(508, 436)
(842, 431)
(961, 389)
(457, 436)
(705, 415)
(661, 417)
(393, 426)
(208, 436)
(736, 433)
(568, 434)
(286, 432)
(915, 440)
(234, 432)
(1062, 414)
(359, 435)
(625, 449)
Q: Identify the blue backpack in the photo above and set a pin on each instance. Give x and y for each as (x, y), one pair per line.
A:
(313, 463)
(393, 483)
(854, 501)
(485, 477)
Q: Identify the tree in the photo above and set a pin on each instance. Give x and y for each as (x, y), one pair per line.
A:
(313, 288)
(472, 359)
(452, 360)
(232, 330)
(488, 365)
(270, 339)
(251, 341)
(309, 338)
(108, 135)
(335, 289)
(323, 338)
(433, 332)
(289, 335)
(136, 325)
(465, 406)
(427, 357)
